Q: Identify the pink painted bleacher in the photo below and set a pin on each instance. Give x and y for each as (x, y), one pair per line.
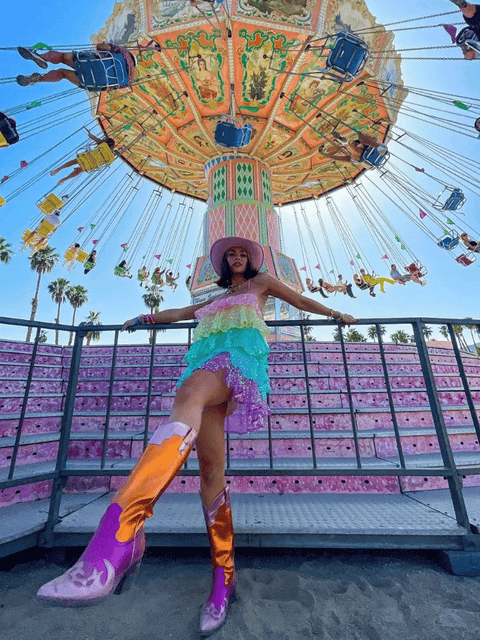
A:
(288, 399)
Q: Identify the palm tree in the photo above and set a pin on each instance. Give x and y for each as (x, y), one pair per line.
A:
(42, 338)
(307, 330)
(399, 337)
(372, 331)
(77, 296)
(153, 299)
(354, 336)
(57, 290)
(473, 330)
(427, 331)
(458, 331)
(444, 332)
(42, 261)
(6, 252)
(93, 318)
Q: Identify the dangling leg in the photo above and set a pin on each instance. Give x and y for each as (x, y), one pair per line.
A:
(218, 518)
(65, 165)
(116, 549)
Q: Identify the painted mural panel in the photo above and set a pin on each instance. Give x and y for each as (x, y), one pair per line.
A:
(296, 12)
(202, 55)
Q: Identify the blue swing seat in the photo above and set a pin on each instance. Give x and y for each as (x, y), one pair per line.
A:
(373, 158)
(454, 201)
(8, 130)
(449, 242)
(100, 70)
(348, 56)
(228, 134)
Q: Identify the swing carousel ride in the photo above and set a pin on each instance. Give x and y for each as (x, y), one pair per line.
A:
(250, 106)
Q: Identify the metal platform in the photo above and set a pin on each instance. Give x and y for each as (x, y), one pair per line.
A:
(420, 520)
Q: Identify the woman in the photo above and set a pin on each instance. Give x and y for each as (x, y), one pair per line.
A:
(372, 280)
(227, 365)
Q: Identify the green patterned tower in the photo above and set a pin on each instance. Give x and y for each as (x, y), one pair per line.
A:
(240, 204)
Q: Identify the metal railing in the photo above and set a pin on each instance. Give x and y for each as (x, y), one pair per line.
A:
(448, 468)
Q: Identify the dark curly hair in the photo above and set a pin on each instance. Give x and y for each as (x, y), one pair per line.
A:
(225, 280)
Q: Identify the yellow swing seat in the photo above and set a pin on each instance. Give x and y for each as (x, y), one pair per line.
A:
(101, 156)
(2, 201)
(81, 256)
(45, 229)
(49, 204)
(29, 239)
(69, 255)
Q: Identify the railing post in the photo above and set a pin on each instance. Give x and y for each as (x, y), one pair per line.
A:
(353, 417)
(309, 399)
(390, 397)
(454, 482)
(46, 539)
(149, 389)
(109, 401)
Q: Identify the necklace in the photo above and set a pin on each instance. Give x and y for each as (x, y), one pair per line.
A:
(233, 288)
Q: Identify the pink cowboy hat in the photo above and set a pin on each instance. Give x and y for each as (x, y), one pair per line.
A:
(223, 244)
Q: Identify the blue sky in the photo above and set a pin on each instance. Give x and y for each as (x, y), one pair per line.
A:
(452, 289)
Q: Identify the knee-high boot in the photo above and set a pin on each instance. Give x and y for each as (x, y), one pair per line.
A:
(114, 553)
(218, 518)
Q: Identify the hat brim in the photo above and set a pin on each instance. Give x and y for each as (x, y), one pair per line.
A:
(221, 245)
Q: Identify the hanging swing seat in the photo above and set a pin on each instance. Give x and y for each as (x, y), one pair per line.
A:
(119, 271)
(100, 70)
(93, 159)
(49, 204)
(2, 201)
(416, 269)
(88, 265)
(81, 256)
(449, 241)
(375, 157)
(69, 255)
(231, 133)
(455, 200)
(45, 229)
(29, 238)
(465, 260)
(467, 39)
(347, 57)
(8, 131)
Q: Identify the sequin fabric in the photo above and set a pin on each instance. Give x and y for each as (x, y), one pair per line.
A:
(230, 335)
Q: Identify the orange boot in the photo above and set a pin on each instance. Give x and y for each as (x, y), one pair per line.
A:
(218, 518)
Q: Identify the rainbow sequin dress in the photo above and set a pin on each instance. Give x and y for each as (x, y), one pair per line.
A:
(231, 334)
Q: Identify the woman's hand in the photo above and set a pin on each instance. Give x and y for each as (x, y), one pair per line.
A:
(346, 318)
(128, 326)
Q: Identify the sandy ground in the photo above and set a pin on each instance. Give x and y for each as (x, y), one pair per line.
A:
(282, 595)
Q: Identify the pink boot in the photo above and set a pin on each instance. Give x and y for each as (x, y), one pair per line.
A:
(218, 518)
(116, 549)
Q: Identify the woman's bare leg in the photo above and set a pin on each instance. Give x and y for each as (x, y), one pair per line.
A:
(201, 389)
(60, 74)
(211, 453)
(58, 57)
(76, 172)
(65, 165)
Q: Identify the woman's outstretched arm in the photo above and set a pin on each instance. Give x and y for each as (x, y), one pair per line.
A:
(277, 289)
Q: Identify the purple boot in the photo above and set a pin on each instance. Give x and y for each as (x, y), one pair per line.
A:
(105, 566)
(116, 549)
(218, 518)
